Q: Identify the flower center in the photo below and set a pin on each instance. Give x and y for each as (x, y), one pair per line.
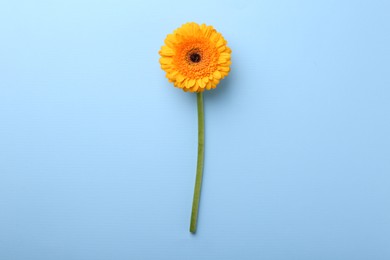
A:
(195, 57)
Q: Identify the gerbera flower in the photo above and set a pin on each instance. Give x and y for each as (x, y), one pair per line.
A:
(195, 57)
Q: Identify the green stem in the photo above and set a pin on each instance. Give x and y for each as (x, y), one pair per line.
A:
(199, 169)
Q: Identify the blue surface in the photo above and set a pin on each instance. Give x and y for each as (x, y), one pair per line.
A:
(98, 151)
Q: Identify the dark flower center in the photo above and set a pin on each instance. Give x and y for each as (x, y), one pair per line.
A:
(195, 57)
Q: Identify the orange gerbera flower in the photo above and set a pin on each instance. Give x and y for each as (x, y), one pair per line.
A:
(195, 57)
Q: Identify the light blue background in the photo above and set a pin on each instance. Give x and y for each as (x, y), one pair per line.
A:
(98, 151)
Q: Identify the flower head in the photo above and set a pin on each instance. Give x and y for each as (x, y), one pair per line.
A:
(195, 57)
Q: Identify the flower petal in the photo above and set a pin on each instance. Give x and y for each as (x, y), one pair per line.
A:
(217, 74)
(224, 68)
(165, 60)
(201, 83)
(220, 42)
(166, 51)
(208, 86)
(205, 79)
(194, 88)
(191, 82)
(180, 78)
